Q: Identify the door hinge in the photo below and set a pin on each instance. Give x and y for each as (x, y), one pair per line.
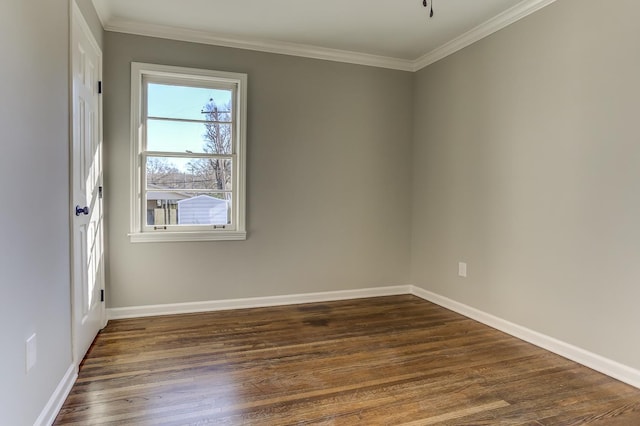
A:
(102, 295)
(99, 86)
(100, 192)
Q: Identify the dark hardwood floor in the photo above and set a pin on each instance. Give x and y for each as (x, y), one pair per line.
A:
(382, 361)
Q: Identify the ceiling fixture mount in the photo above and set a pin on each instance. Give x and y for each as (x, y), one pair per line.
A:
(429, 3)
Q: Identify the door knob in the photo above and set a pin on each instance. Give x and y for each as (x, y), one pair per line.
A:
(82, 210)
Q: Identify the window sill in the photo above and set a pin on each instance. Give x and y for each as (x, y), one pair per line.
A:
(164, 237)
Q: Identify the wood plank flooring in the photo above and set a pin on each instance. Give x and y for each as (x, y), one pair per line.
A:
(381, 361)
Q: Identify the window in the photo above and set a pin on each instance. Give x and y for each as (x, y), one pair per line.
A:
(188, 154)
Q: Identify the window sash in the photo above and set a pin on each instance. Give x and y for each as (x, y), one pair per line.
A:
(185, 227)
(186, 82)
(233, 88)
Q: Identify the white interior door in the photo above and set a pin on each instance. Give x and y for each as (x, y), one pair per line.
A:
(86, 210)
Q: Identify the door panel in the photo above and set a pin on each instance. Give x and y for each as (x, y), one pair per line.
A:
(88, 245)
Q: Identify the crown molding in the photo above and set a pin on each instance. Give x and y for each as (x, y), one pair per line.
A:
(504, 19)
(508, 17)
(283, 48)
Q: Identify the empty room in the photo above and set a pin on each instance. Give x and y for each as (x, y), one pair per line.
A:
(335, 213)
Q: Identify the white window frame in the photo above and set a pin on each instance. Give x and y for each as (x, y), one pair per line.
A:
(139, 230)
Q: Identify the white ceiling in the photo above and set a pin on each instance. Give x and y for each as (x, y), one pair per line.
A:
(389, 33)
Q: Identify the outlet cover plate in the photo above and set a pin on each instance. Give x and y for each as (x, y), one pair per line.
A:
(462, 269)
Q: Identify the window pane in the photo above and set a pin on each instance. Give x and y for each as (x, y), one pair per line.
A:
(188, 173)
(177, 136)
(191, 103)
(184, 208)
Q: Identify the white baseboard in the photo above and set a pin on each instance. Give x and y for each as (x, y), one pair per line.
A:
(596, 362)
(51, 410)
(253, 302)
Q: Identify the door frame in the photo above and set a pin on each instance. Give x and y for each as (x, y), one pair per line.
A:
(76, 16)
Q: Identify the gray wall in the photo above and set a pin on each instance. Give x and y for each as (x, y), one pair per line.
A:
(526, 166)
(328, 180)
(34, 185)
(525, 162)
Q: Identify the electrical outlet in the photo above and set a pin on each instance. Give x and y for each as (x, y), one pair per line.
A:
(462, 269)
(31, 352)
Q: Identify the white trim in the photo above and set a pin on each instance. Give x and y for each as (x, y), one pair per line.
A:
(51, 410)
(504, 19)
(168, 237)
(137, 232)
(253, 302)
(279, 47)
(594, 361)
(508, 17)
